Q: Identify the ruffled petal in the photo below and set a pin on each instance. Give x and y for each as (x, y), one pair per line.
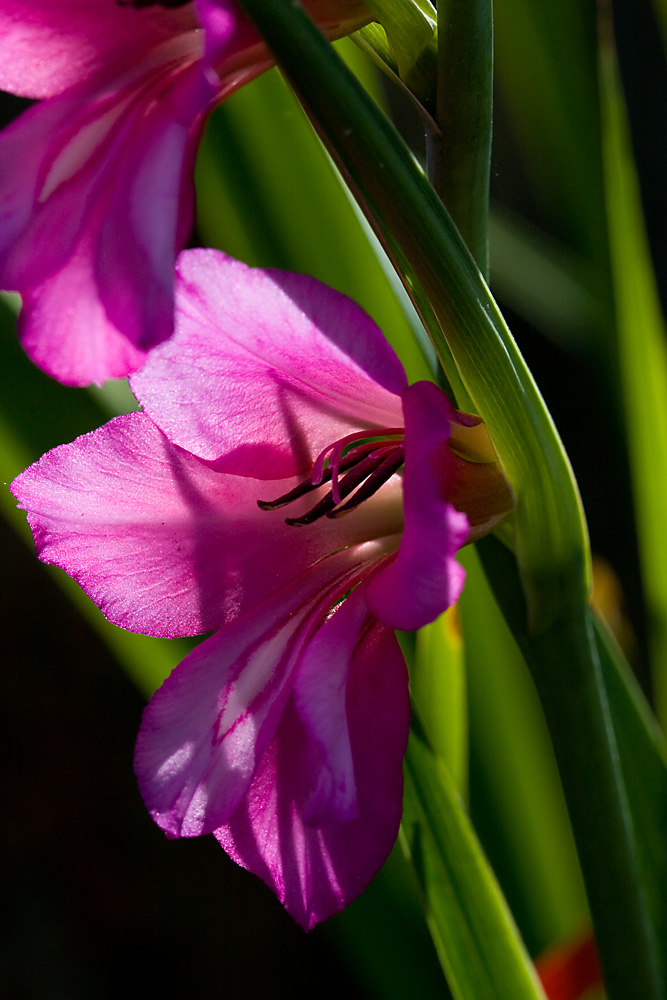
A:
(424, 578)
(316, 866)
(301, 366)
(47, 46)
(162, 543)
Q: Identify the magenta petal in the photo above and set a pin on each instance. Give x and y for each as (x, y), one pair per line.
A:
(228, 31)
(424, 578)
(320, 689)
(77, 346)
(150, 209)
(49, 45)
(314, 868)
(98, 215)
(300, 364)
(161, 542)
(206, 729)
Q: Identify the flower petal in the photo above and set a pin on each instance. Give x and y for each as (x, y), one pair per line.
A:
(205, 731)
(316, 867)
(228, 33)
(164, 544)
(77, 344)
(49, 45)
(424, 578)
(320, 689)
(300, 364)
(108, 171)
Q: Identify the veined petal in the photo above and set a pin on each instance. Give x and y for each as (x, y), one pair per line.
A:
(301, 366)
(164, 544)
(47, 46)
(205, 731)
(424, 578)
(316, 867)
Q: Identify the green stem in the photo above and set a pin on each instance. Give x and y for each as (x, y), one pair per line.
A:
(576, 707)
(459, 156)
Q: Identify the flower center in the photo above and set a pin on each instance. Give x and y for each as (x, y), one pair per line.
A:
(367, 460)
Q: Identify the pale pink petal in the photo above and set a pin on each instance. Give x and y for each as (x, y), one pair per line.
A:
(205, 731)
(424, 578)
(164, 544)
(315, 868)
(266, 368)
(49, 45)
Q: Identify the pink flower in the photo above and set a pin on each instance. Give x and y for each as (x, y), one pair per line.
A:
(284, 732)
(96, 195)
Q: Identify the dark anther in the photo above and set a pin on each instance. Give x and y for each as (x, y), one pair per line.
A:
(376, 469)
(307, 486)
(377, 478)
(138, 4)
(368, 462)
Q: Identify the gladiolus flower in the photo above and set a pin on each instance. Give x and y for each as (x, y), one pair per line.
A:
(287, 488)
(96, 195)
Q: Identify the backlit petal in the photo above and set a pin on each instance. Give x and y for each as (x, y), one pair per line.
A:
(163, 543)
(270, 368)
(49, 45)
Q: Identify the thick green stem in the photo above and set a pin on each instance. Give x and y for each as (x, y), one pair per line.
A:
(459, 156)
(576, 707)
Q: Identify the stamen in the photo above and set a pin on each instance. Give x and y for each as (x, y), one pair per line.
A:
(335, 450)
(372, 461)
(307, 486)
(347, 484)
(378, 478)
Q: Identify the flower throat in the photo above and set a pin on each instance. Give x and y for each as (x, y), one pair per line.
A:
(367, 460)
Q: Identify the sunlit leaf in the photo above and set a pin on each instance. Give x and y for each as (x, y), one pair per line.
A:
(479, 947)
(438, 685)
(516, 789)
